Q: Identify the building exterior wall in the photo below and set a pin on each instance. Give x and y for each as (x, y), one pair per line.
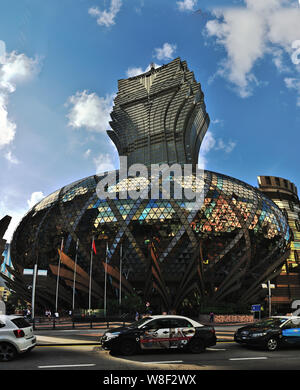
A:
(284, 193)
(220, 252)
(160, 116)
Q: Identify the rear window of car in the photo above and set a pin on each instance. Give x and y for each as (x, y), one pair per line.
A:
(20, 323)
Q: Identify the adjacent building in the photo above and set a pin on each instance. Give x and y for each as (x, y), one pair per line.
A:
(285, 195)
(4, 257)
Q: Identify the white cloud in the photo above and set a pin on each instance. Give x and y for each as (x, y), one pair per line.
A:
(14, 69)
(104, 162)
(135, 71)
(186, 5)
(227, 148)
(16, 216)
(250, 33)
(293, 83)
(209, 143)
(166, 52)
(217, 121)
(107, 17)
(11, 158)
(35, 198)
(90, 111)
(7, 127)
(17, 213)
(87, 153)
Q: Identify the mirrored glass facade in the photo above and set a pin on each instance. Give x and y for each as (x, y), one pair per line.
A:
(221, 252)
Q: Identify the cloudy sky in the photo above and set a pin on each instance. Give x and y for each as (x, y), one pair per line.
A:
(59, 65)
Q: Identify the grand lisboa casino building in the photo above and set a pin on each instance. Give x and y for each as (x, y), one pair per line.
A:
(163, 249)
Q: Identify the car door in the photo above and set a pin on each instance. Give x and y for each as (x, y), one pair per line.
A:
(156, 334)
(181, 332)
(291, 332)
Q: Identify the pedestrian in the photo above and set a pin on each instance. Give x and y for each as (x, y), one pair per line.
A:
(211, 317)
(28, 313)
(137, 316)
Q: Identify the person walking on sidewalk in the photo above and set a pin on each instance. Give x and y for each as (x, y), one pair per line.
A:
(211, 317)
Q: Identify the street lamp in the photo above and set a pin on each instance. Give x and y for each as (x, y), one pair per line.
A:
(269, 286)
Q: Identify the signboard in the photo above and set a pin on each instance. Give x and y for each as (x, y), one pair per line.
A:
(255, 308)
(41, 272)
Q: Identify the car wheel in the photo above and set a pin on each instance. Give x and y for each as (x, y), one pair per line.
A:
(7, 352)
(128, 347)
(196, 346)
(272, 344)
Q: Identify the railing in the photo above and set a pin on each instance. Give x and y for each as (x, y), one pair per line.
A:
(78, 322)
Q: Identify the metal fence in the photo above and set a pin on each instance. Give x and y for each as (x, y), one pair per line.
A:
(40, 323)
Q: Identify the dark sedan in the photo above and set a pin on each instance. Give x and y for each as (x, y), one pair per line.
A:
(159, 332)
(270, 333)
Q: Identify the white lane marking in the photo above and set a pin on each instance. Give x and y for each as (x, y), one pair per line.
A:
(164, 362)
(58, 340)
(68, 365)
(250, 358)
(216, 349)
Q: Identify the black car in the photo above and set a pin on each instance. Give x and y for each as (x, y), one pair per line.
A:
(270, 333)
(159, 332)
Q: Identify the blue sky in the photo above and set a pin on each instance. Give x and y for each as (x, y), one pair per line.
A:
(59, 65)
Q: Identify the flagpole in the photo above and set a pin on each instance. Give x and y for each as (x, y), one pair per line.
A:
(58, 272)
(120, 289)
(91, 265)
(74, 281)
(105, 281)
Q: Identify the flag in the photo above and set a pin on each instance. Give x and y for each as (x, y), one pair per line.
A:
(94, 246)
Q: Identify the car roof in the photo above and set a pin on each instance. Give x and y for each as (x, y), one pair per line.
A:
(286, 317)
(9, 316)
(156, 316)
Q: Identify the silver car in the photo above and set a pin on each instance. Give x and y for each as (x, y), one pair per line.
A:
(16, 337)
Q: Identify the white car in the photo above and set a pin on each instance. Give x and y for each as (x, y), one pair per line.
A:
(16, 337)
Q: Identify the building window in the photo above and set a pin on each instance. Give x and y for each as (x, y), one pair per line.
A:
(285, 183)
(268, 180)
(296, 256)
(291, 205)
(297, 223)
(277, 181)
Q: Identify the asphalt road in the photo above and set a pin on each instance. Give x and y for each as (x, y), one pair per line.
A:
(79, 350)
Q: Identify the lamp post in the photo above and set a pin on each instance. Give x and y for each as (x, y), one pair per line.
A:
(269, 286)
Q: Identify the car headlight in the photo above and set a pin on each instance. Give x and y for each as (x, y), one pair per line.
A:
(109, 336)
(258, 334)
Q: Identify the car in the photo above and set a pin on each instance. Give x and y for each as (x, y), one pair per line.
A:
(159, 332)
(16, 337)
(270, 333)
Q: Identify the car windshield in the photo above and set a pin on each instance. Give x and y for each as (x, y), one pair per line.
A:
(270, 322)
(140, 322)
